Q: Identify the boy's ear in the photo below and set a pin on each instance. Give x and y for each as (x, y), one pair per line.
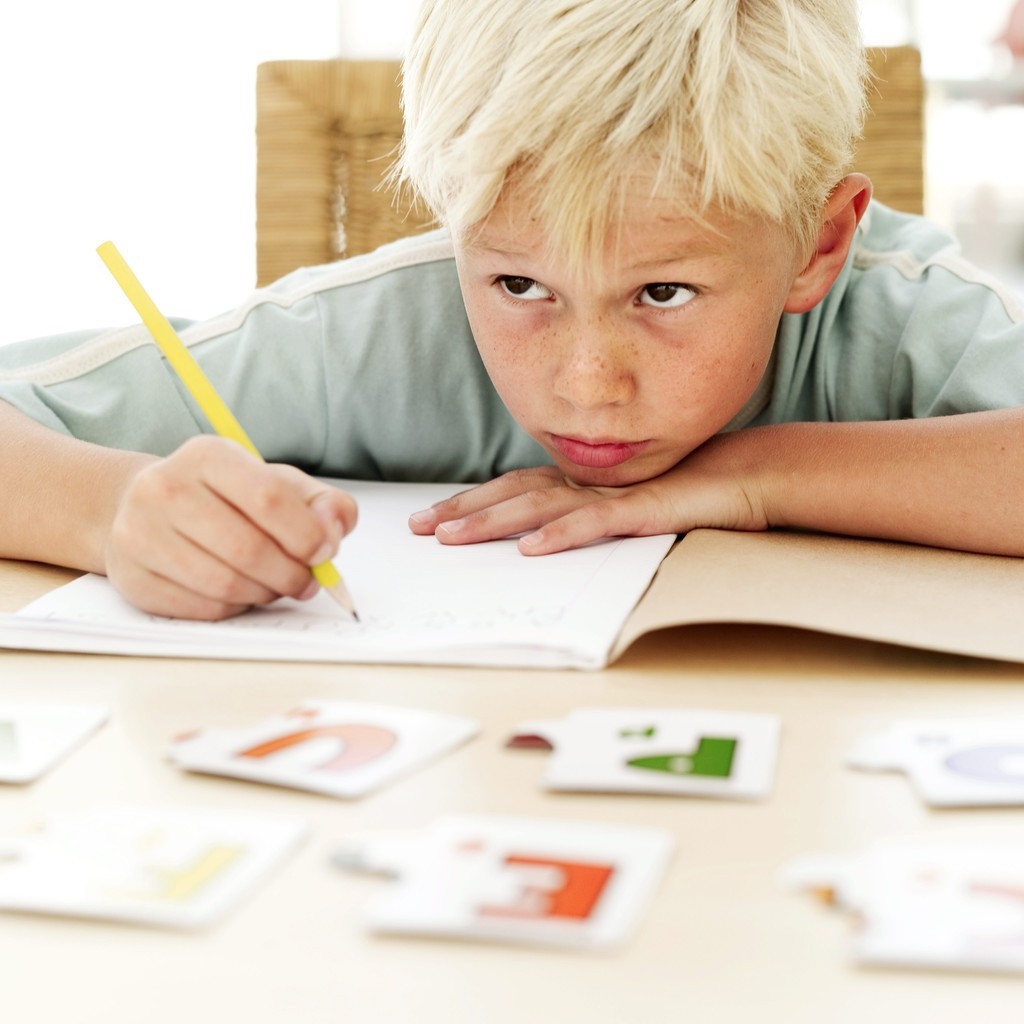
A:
(843, 211)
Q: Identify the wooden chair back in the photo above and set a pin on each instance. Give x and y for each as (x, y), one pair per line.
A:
(326, 132)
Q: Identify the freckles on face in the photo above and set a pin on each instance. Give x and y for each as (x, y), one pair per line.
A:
(654, 353)
(512, 347)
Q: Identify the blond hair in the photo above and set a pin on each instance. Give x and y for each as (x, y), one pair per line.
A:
(750, 105)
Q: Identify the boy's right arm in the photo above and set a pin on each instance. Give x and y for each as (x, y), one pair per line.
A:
(202, 533)
(58, 495)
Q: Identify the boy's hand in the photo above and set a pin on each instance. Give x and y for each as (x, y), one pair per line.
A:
(947, 481)
(211, 530)
(708, 488)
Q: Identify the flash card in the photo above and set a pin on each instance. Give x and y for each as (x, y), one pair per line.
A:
(951, 763)
(34, 737)
(657, 750)
(339, 748)
(175, 868)
(920, 905)
(518, 880)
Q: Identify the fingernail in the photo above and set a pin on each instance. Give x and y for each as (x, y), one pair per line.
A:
(452, 526)
(312, 588)
(423, 518)
(532, 540)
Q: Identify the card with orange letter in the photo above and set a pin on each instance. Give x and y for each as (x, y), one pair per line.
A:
(521, 880)
(338, 748)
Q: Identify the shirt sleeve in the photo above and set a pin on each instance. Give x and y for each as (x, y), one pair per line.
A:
(108, 387)
(365, 368)
(909, 330)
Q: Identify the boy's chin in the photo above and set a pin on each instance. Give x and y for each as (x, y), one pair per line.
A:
(616, 476)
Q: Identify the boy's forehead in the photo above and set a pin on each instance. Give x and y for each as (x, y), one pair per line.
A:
(645, 230)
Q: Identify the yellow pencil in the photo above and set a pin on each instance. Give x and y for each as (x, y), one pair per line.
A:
(220, 416)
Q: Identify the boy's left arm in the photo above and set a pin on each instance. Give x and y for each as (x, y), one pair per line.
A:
(951, 481)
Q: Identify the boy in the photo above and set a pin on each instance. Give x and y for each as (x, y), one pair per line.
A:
(660, 301)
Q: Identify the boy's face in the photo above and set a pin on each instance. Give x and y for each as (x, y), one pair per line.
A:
(620, 379)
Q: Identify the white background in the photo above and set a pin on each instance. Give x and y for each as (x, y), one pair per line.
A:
(133, 120)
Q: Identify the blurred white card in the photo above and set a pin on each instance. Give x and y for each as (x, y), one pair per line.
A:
(951, 762)
(171, 867)
(34, 737)
(935, 905)
(340, 748)
(657, 750)
(520, 880)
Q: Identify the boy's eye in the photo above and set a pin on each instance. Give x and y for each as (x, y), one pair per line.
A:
(666, 296)
(523, 288)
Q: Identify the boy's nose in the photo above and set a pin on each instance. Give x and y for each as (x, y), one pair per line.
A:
(594, 372)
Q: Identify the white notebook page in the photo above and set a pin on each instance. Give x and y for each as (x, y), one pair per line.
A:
(418, 602)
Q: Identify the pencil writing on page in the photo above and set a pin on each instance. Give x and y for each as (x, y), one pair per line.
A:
(221, 418)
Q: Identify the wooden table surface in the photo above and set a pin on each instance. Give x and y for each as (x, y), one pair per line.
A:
(723, 941)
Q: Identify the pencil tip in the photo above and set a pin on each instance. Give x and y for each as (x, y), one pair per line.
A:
(341, 595)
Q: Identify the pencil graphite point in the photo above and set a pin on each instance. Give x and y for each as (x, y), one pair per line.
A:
(329, 578)
(340, 594)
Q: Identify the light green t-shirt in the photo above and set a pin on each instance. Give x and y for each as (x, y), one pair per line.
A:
(367, 368)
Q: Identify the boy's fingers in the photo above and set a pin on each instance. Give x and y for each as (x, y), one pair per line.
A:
(615, 517)
(633, 514)
(303, 516)
(159, 596)
(483, 496)
(337, 513)
(524, 512)
(229, 551)
(228, 528)
(196, 585)
(201, 540)
(276, 503)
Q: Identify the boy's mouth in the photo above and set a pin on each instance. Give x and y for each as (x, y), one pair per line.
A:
(596, 454)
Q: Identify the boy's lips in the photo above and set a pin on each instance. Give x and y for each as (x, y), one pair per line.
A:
(596, 454)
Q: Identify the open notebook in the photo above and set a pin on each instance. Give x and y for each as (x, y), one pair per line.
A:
(418, 602)
(421, 602)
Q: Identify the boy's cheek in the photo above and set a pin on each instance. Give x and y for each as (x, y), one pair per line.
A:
(519, 368)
